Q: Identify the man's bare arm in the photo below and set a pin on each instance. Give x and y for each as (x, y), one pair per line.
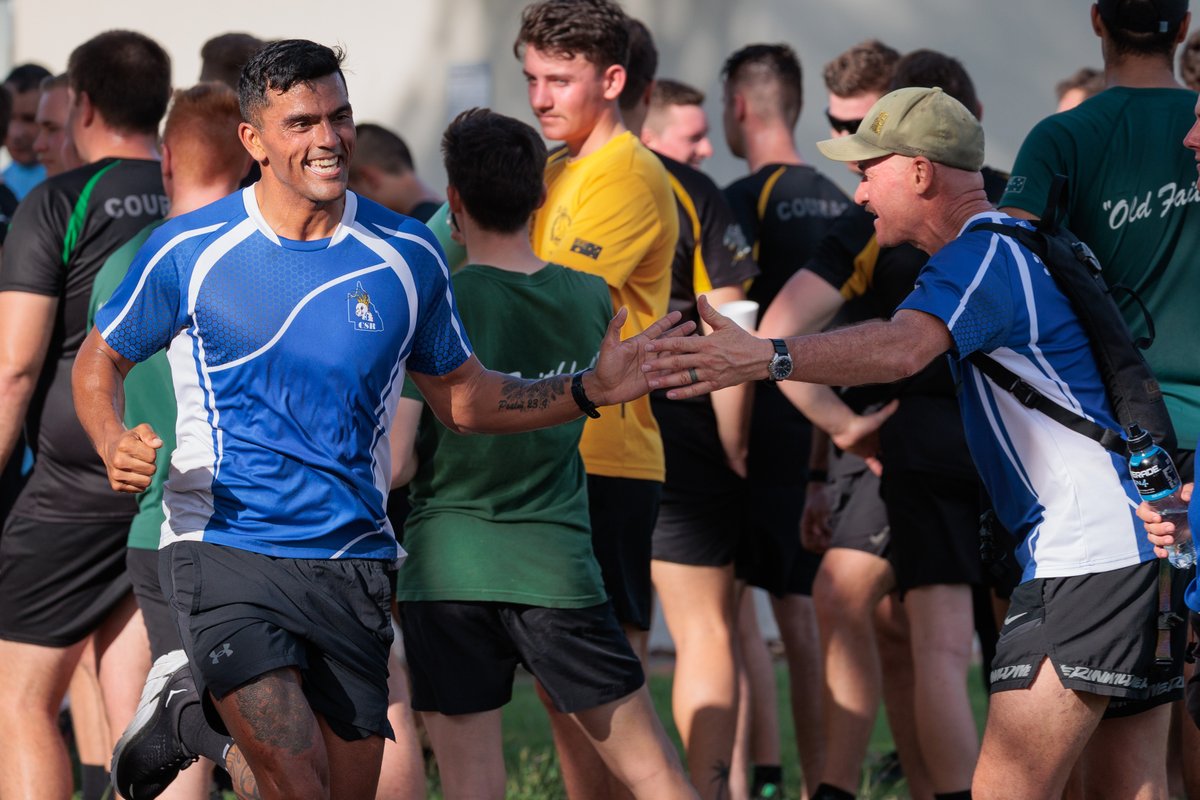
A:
(404, 439)
(97, 382)
(873, 352)
(474, 399)
(732, 405)
(26, 322)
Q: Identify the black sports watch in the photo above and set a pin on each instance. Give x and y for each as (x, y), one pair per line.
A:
(781, 363)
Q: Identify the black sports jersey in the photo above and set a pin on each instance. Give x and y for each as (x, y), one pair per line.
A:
(61, 235)
(785, 211)
(711, 250)
(8, 204)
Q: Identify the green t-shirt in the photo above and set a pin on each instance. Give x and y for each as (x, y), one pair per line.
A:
(1133, 199)
(505, 518)
(149, 396)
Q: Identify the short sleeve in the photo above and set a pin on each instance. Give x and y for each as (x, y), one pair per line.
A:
(615, 224)
(966, 285)
(1043, 155)
(149, 306)
(836, 259)
(33, 249)
(724, 250)
(440, 342)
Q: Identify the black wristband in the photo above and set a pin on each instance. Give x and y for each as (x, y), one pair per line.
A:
(818, 476)
(580, 396)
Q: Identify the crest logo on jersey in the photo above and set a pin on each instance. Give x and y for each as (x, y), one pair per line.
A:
(361, 312)
(735, 242)
(1016, 184)
(879, 122)
(559, 225)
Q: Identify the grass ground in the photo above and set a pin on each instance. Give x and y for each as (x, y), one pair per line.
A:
(533, 769)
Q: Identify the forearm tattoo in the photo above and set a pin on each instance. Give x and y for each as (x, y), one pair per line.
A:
(520, 395)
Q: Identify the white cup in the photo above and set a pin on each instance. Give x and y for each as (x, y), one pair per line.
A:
(743, 312)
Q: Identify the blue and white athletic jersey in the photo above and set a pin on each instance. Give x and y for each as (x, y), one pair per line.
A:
(287, 358)
(1069, 501)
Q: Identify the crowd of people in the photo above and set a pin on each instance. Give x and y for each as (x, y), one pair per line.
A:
(303, 457)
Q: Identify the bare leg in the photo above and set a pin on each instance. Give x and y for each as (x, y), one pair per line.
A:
(469, 753)
(895, 650)
(630, 739)
(1032, 739)
(123, 659)
(1126, 757)
(797, 620)
(88, 718)
(941, 625)
(34, 760)
(353, 766)
(584, 773)
(403, 772)
(758, 717)
(279, 736)
(847, 589)
(698, 604)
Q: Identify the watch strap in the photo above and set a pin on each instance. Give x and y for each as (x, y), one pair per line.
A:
(580, 396)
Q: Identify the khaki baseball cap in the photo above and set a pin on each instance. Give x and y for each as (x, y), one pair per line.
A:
(915, 121)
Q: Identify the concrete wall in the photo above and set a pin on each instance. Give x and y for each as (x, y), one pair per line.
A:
(408, 62)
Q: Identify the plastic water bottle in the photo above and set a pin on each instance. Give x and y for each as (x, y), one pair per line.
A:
(1158, 483)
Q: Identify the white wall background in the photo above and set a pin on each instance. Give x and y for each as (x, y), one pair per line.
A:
(401, 52)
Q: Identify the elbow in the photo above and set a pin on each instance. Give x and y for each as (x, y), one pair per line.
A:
(908, 363)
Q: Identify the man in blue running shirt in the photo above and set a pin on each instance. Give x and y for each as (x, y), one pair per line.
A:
(1078, 646)
(291, 312)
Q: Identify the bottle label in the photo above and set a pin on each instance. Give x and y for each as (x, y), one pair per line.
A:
(1155, 476)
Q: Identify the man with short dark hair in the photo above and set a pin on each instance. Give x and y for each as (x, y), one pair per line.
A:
(282, 512)
(222, 57)
(1082, 629)
(383, 171)
(496, 567)
(704, 443)
(24, 87)
(62, 552)
(784, 207)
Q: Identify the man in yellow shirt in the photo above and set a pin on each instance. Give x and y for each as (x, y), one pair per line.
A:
(609, 211)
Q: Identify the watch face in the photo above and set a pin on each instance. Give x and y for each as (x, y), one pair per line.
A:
(781, 367)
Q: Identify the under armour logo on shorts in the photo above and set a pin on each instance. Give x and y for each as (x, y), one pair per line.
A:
(223, 650)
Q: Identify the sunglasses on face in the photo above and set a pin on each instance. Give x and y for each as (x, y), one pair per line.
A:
(842, 125)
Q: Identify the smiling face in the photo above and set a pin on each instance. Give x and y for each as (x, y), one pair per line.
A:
(568, 95)
(885, 191)
(304, 139)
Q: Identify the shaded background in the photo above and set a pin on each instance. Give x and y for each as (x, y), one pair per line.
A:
(413, 65)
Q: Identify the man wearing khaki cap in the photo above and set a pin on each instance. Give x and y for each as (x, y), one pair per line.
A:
(1079, 637)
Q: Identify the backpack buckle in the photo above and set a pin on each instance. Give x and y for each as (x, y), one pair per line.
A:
(1026, 395)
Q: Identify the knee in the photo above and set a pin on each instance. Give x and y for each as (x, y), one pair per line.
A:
(840, 599)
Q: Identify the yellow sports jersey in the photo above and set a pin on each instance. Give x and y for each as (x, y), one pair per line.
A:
(612, 213)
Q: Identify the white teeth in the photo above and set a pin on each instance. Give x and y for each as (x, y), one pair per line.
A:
(324, 163)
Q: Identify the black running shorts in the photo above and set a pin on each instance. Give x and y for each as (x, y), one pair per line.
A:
(243, 614)
(769, 554)
(59, 581)
(1099, 633)
(623, 512)
(935, 527)
(703, 501)
(463, 655)
(161, 625)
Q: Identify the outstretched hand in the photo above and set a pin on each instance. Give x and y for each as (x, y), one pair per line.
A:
(694, 365)
(861, 435)
(130, 457)
(1161, 533)
(620, 374)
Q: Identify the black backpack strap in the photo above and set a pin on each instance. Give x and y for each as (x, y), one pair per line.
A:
(1142, 342)
(1030, 397)
(1056, 205)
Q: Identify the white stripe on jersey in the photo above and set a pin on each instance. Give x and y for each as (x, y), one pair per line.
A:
(162, 251)
(449, 293)
(1031, 308)
(287, 323)
(194, 462)
(399, 265)
(979, 273)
